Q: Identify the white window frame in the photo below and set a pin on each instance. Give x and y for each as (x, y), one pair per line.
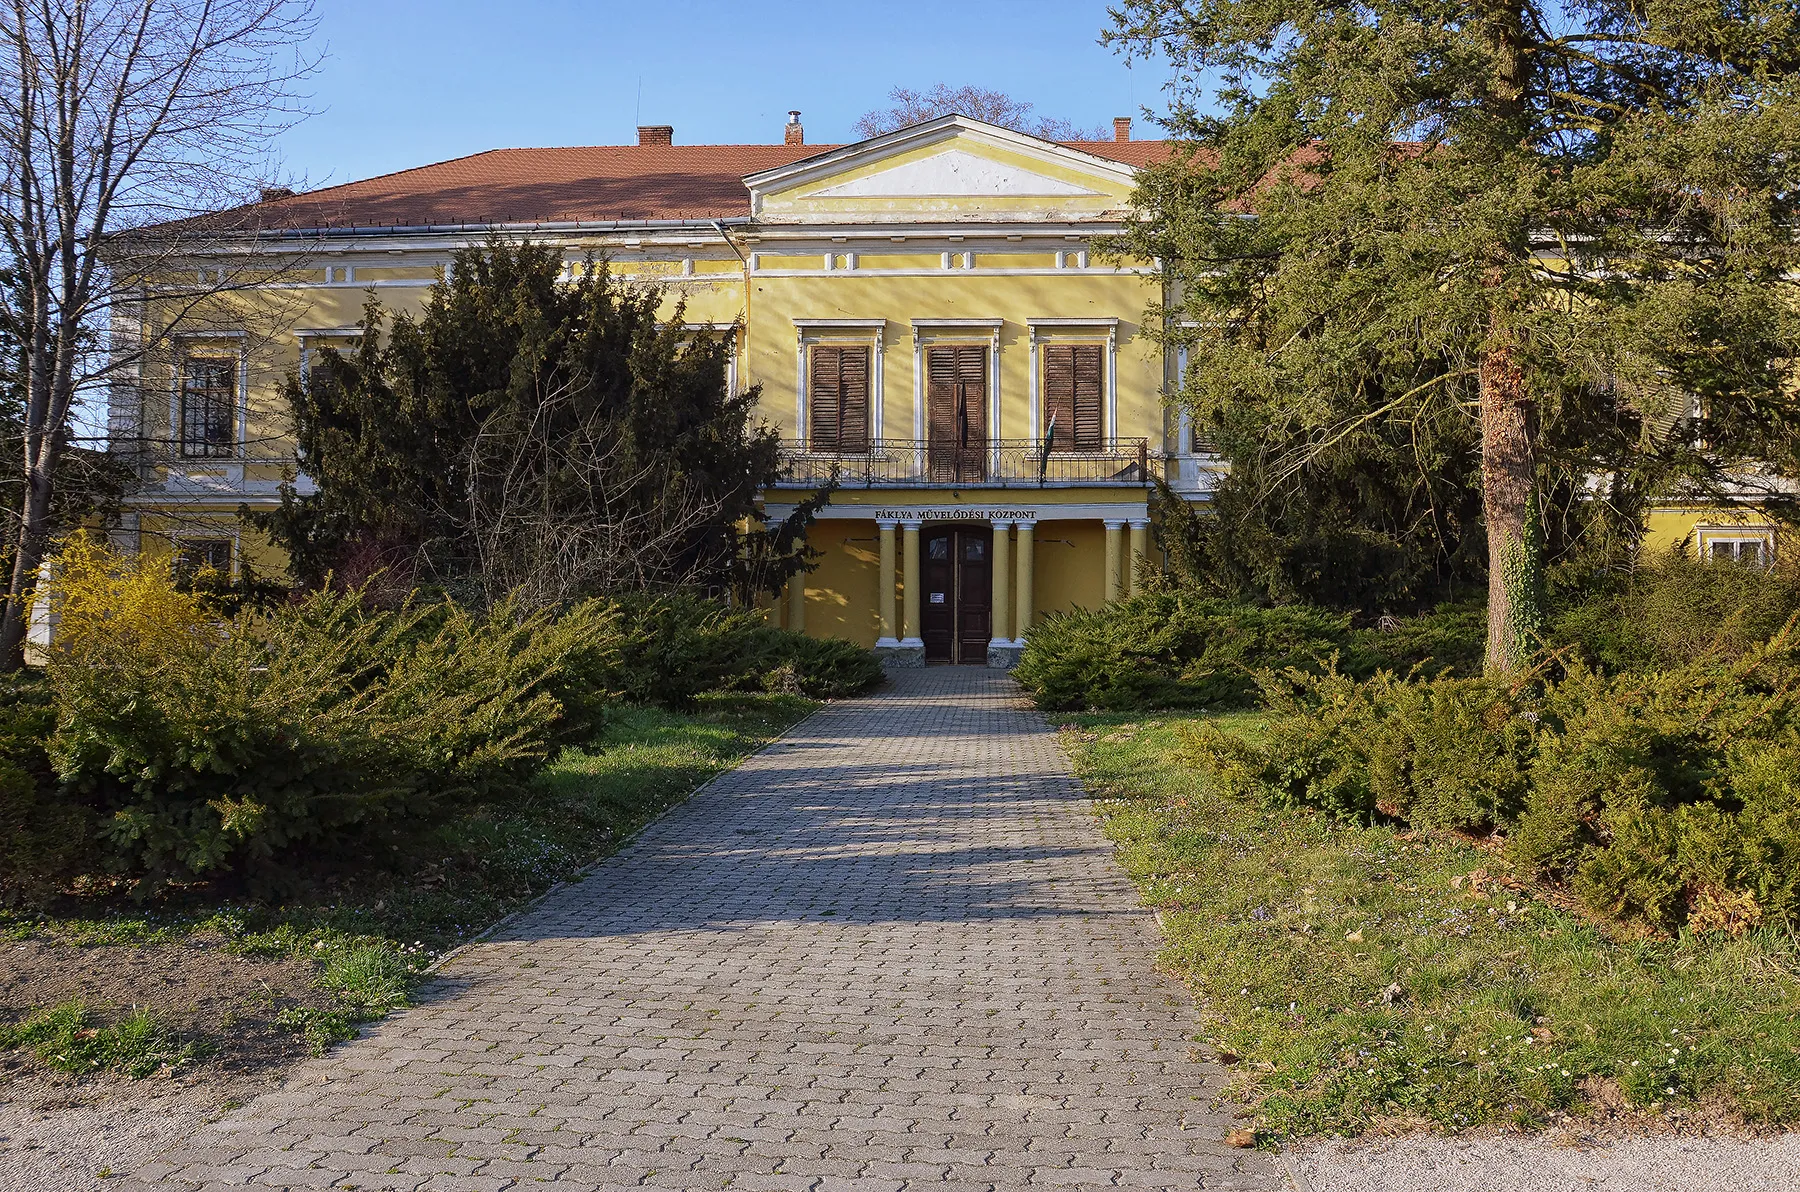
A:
(199, 344)
(305, 336)
(229, 534)
(1762, 536)
(944, 333)
(735, 342)
(871, 333)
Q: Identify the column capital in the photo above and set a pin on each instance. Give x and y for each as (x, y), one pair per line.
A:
(1003, 523)
(1025, 523)
(886, 523)
(1139, 523)
(1114, 523)
(912, 523)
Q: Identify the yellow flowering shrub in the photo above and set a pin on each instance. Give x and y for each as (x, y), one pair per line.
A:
(106, 602)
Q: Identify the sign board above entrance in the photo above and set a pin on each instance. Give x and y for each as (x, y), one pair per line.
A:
(955, 513)
(1086, 511)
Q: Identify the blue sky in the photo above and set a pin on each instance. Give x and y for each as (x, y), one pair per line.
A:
(406, 82)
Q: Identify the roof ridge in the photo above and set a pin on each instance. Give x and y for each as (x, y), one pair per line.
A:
(664, 148)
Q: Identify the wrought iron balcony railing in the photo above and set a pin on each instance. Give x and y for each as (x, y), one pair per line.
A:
(997, 463)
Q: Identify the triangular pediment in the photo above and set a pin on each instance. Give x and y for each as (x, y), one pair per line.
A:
(948, 169)
(953, 172)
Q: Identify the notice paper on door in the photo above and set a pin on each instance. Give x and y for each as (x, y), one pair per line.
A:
(937, 598)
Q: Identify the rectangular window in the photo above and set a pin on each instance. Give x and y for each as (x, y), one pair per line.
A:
(194, 555)
(208, 406)
(1746, 552)
(1074, 396)
(838, 398)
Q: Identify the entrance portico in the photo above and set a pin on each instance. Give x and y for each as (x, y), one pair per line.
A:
(944, 573)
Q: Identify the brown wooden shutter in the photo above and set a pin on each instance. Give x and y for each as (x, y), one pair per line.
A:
(1059, 396)
(956, 412)
(940, 396)
(971, 377)
(824, 403)
(853, 399)
(1090, 396)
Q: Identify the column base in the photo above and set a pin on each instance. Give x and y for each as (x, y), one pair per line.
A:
(1003, 653)
(903, 654)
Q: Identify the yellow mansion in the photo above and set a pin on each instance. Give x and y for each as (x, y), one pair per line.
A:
(926, 312)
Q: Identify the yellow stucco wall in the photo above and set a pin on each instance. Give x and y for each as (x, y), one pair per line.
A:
(777, 303)
(843, 596)
(1695, 525)
(1071, 565)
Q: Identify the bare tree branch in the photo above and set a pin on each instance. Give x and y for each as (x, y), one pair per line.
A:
(121, 121)
(977, 103)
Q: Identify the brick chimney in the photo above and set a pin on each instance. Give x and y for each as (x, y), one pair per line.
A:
(656, 134)
(1121, 128)
(796, 133)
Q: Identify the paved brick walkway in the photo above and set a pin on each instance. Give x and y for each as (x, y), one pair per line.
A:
(891, 951)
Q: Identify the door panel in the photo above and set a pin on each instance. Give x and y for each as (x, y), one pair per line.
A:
(937, 601)
(974, 595)
(956, 604)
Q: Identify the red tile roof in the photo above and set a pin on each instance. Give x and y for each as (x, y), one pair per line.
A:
(588, 185)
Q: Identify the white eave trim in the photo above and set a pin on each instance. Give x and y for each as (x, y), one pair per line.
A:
(828, 323)
(1095, 321)
(991, 324)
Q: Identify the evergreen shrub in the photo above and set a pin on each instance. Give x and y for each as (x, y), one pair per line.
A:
(206, 746)
(1450, 639)
(169, 742)
(821, 667)
(1673, 610)
(43, 835)
(1668, 798)
(671, 647)
(1179, 648)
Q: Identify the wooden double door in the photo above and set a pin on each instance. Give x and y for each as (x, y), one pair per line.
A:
(956, 607)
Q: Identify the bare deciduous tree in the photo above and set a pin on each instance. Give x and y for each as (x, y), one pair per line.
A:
(535, 545)
(121, 121)
(977, 103)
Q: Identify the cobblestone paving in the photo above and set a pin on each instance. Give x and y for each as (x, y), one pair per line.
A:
(892, 951)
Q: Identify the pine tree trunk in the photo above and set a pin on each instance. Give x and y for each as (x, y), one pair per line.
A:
(1509, 504)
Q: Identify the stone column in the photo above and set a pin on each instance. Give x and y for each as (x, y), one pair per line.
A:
(911, 582)
(1002, 650)
(1024, 590)
(1115, 547)
(888, 639)
(1139, 556)
(797, 602)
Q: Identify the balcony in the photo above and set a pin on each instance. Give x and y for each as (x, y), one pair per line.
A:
(998, 463)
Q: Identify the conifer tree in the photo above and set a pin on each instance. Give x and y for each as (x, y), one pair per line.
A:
(1571, 223)
(535, 435)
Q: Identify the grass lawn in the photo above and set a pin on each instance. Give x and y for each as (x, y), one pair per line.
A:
(1366, 977)
(364, 927)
